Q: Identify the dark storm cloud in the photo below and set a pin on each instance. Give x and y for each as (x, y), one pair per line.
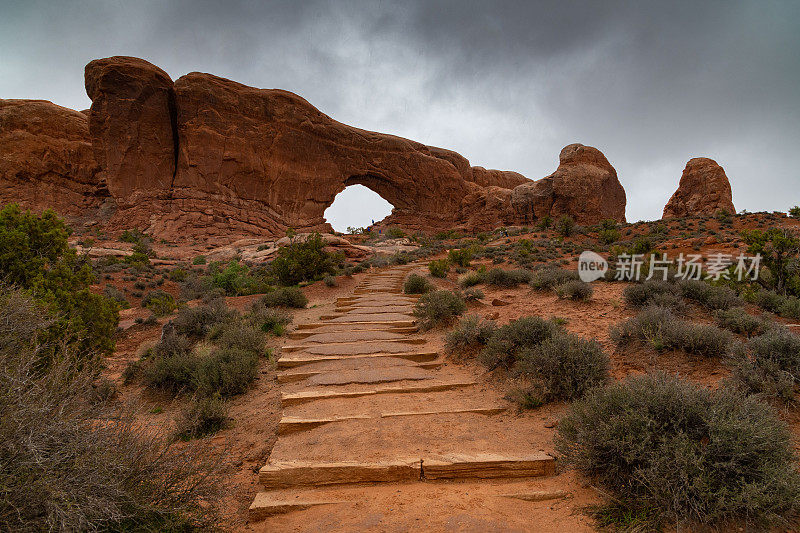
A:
(507, 84)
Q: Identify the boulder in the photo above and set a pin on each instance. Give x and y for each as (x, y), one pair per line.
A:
(584, 186)
(132, 126)
(703, 189)
(46, 158)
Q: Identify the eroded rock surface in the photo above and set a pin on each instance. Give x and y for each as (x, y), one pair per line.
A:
(704, 188)
(584, 186)
(46, 158)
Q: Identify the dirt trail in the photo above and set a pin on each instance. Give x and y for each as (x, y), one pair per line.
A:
(378, 433)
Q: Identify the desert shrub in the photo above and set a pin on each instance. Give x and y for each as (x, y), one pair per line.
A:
(35, 256)
(654, 292)
(473, 278)
(565, 366)
(113, 293)
(201, 417)
(713, 297)
(330, 280)
(178, 274)
(674, 451)
(507, 278)
(69, 464)
(438, 308)
(549, 278)
(608, 235)
(460, 257)
(241, 335)
(160, 303)
(505, 346)
(269, 320)
(472, 294)
(416, 284)
(173, 373)
(768, 300)
(198, 321)
(769, 364)
(662, 330)
(303, 260)
(790, 308)
(439, 268)
(565, 226)
(738, 320)
(199, 260)
(237, 279)
(575, 290)
(227, 372)
(794, 212)
(291, 297)
(395, 233)
(470, 335)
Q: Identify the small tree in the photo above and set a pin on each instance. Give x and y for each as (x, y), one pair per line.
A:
(794, 212)
(777, 247)
(303, 260)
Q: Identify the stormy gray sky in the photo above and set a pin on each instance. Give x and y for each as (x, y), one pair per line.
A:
(506, 84)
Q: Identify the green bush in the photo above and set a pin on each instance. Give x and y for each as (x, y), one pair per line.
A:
(507, 278)
(35, 256)
(575, 290)
(768, 300)
(472, 294)
(460, 257)
(199, 260)
(227, 372)
(269, 320)
(173, 373)
(471, 334)
(549, 278)
(438, 308)
(241, 335)
(654, 292)
(160, 303)
(237, 279)
(113, 293)
(330, 280)
(439, 268)
(738, 320)
(565, 226)
(203, 416)
(565, 366)
(285, 297)
(198, 321)
(505, 346)
(662, 330)
(769, 364)
(416, 284)
(303, 260)
(670, 450)
(395, 233)
(794, 212)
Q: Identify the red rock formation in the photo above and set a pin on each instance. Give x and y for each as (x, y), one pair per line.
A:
(132, 127)
(585, 187)
(46, 158)
(704, 188)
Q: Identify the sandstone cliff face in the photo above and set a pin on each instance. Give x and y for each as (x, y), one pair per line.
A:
(204, 157)
(704, 188)
(46, 158)
(132, 127)
(585, 186)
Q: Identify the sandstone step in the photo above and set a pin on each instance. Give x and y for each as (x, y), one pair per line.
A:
(538, 495)
(292, 424)
(265, 505)
(291, 474)
(395, 323)
(358, 348)
(330, 337)
(316, 345)
(486, 466)
(372, 318)
(293, 362)
(296, 398)
(477, 410)
(305, 333)
(285, 475)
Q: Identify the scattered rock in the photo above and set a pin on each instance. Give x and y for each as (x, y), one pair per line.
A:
(497, 302)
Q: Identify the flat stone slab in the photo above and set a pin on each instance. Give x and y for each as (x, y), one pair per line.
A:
(371, 375)
(296, 398)
(477, 410)
(487, 466)
(265, 505)
(354, 336)
(538, 495)
(372, 317)
(357, 349)
(333, 328)
(296, 361)
(293, 424)
(354, 310)
(392, 323)
(285, 475)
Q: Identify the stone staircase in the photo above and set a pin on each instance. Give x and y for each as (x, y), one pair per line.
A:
(369, 405)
